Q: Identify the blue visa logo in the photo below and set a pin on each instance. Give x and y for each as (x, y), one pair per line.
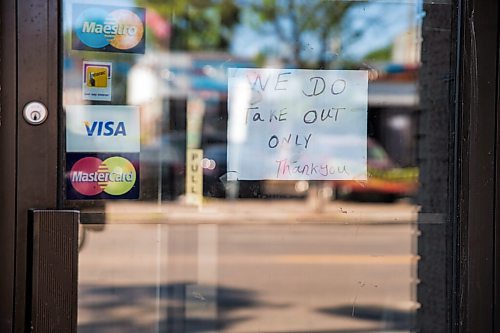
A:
(105, 128)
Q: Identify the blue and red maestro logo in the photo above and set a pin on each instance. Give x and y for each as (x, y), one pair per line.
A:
(91, 176)
(106, 28)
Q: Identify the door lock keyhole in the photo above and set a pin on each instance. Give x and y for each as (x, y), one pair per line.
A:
(35, 113)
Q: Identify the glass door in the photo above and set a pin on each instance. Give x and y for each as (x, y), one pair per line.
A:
(258, 166)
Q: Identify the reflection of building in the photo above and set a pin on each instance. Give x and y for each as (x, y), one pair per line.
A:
(392, 116)
(164, 83)
(393, 99)
(406, 47)
(183, 100)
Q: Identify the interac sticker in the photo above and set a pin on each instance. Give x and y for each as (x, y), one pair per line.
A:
(295, 124)
(194, 176)
(97, 81)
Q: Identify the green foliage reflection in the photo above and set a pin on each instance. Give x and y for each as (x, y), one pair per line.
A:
(308, 33)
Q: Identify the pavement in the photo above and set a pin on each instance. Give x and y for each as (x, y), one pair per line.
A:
(250, 266)
(222, 211)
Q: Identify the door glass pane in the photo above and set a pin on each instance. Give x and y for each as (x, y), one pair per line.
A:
(249, 166)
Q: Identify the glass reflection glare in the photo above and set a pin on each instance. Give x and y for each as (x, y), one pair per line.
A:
(255, 254)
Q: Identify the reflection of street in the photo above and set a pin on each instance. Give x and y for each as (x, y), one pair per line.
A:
(316, 209)
(344, 269)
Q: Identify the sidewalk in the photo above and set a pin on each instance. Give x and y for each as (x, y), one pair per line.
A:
(265, 211)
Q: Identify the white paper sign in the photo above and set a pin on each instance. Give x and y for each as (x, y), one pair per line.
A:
(291, 124)
(103, 128)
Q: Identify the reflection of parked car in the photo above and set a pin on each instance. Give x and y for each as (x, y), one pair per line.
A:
(163, 167)
(215, 182)
(214, 168)
(386, 181)
(285, 188)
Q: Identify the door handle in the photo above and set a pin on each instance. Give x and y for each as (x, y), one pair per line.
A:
(54, 270)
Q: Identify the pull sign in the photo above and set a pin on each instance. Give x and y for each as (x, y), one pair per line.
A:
(35, 113)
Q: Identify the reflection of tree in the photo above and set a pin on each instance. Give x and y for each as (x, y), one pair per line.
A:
(297, 22)
(197, 24)
(306, 33)
(382, 54)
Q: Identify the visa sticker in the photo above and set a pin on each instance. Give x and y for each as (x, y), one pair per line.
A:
(108, 28)
(97, 79)
(102, 128)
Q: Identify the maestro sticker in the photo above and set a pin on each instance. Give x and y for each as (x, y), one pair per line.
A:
(102, 176)
(108, 29)
(96, 81)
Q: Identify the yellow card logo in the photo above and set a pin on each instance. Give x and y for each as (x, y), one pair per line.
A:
(97, 76)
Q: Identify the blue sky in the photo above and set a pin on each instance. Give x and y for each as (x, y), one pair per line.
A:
(380, 21)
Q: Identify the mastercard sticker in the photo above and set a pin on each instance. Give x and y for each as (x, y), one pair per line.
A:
(108, 29)
(102, 176)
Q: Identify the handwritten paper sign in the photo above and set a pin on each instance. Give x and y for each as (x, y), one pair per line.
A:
(291, 124)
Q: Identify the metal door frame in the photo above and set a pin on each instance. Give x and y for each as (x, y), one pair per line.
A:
(8, 141)
(477, 109)
(29, 154)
